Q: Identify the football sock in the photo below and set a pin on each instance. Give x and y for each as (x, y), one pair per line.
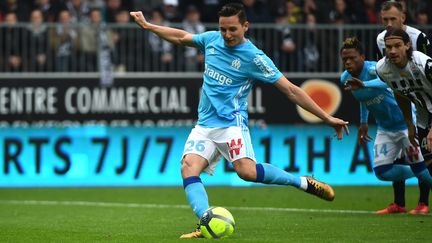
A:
(424, 189)
(399, 193)
(196, 195)
(422, 173)
(393, 172)
(424, 193)
(269, 174)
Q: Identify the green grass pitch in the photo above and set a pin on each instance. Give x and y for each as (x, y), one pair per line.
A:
(161, 214)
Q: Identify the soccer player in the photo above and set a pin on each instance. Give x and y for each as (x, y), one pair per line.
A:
(376, 97)
(409, 74)
(232, 65)
(393, 16)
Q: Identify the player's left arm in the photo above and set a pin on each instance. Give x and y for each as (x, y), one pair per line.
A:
(299, 97)
(354, 84)
(375, 83)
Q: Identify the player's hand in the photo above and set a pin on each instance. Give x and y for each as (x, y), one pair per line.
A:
(412, 134)
(340, 126)
(362, 134)
(139, 19)
(412, 153)
(353, 84)
(429, 140)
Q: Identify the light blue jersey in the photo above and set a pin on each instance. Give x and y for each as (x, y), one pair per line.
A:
(229, 73)
(376, 98)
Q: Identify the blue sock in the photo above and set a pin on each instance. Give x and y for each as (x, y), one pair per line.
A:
(196, 195)
(393, 172)
(422, 173)
(269, 174)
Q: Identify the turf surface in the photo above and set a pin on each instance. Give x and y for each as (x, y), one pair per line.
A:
(262, 214)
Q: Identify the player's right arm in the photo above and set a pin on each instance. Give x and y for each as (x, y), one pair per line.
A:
(362, 134)
(351, 85)
(173, 35)
(299, 97)
(405, 105)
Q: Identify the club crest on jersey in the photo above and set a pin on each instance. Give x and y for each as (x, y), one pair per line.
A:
(236, 63)
(234, 147)
(429, 64)
(428, 69)
(211, 51)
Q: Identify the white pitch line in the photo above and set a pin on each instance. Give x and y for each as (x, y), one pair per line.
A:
(141, 205)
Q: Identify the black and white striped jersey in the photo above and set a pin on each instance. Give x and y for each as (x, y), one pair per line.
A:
(413, 81)
(419, 41)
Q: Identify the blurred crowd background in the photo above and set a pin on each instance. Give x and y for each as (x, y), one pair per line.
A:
(82, 35)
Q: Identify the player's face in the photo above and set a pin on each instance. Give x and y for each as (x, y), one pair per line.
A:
(392, 18)
(396, 51)
(352, 61)
(232, 30)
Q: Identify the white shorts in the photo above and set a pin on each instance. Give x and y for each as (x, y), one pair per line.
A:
(389, 146)
(232, 143)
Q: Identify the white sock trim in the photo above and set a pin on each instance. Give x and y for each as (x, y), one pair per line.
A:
(303, 183)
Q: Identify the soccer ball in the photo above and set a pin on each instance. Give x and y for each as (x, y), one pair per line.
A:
(217, 222)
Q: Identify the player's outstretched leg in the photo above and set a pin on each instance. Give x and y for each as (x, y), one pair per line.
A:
(319, 189)
(269, 174)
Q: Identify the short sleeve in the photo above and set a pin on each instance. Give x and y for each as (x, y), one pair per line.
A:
(263, 69)
(379, 65)
(202, 39)
(344, 77)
